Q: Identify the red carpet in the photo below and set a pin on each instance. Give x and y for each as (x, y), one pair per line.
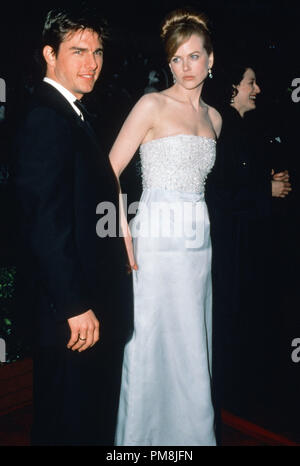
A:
(16, 414)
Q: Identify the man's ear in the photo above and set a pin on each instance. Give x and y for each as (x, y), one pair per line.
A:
(49, 55)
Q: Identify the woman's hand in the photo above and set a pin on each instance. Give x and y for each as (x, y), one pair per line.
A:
(280, 188)
(280, 184)
(281, 176)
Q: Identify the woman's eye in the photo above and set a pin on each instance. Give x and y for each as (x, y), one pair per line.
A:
(194, 56)
(175, 60)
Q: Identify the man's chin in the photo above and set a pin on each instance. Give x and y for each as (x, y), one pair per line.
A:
(85, 90)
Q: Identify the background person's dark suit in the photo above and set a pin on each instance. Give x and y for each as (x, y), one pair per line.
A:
(60, 177)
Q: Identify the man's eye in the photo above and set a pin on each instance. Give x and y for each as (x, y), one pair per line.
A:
(77, 52)
(99, 53)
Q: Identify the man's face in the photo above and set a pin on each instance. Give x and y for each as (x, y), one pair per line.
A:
(78, 62)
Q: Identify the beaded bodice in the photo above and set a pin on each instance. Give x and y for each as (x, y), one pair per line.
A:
(177, 163)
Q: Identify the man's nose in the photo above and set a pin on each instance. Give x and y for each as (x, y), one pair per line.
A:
(91, 62)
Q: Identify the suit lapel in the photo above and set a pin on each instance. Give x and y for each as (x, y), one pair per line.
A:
(89, 131)
(51, 97)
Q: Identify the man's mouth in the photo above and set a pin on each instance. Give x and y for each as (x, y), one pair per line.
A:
(87, 76)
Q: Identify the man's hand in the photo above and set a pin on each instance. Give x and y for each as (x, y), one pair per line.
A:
(84, 331)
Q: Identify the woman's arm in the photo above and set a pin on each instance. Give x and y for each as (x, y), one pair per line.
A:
(140, 120)
(215, 119)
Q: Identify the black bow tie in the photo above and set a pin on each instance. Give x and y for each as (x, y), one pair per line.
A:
(84, 111)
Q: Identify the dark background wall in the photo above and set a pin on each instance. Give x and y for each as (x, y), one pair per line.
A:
(264, 30)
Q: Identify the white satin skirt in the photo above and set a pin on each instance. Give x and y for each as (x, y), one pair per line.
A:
(166, 378)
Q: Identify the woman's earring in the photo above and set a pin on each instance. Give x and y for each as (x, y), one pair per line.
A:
(210, 75)
(173, 75)
(234, 94)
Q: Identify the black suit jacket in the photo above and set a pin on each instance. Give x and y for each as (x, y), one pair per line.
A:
(60, 176)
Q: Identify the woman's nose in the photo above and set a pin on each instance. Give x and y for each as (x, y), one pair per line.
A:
(185, 65)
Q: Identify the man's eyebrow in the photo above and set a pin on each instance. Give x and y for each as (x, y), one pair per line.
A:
(78, 48)
(85, 49)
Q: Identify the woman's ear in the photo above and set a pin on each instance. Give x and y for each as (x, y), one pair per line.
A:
(211, 60)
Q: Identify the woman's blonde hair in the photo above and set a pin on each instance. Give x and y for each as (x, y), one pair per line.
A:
(179, 25)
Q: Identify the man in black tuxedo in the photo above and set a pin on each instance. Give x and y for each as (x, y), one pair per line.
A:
(80, 293)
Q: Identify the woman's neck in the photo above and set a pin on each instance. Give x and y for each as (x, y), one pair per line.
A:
(189, 96)
(239, 110)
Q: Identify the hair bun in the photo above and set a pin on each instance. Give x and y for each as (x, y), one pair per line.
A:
(182, 17)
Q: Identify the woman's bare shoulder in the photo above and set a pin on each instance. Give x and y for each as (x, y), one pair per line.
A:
(151, 100)
(216, 119)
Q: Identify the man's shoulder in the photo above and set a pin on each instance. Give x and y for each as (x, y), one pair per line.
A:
(47, 107)
(40, 118)
(48, 100)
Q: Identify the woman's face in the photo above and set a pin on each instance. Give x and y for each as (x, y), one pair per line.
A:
(247, 91)
(190, 63)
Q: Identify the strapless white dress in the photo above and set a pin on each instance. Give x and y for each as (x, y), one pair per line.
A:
(166, 379)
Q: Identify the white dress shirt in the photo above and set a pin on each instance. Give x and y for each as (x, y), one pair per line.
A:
(67, 94)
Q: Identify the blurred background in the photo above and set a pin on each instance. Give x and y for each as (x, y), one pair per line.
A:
(262, 32)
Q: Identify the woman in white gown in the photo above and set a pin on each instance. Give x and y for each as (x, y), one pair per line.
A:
(166, 380)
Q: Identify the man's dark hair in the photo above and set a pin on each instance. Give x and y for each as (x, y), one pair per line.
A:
(60, 22)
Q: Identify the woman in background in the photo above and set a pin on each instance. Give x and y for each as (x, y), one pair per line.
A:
(239, 192)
